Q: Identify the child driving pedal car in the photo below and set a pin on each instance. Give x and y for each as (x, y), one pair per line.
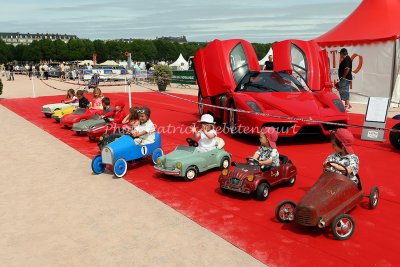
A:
(144, 132)
(267, 154)
(342, 141)
(207, 133)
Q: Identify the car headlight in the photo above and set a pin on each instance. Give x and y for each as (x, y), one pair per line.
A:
(101, 138)
(179, 165)
(254, 106)
(225, 172)
(250, 178)
(158, 161)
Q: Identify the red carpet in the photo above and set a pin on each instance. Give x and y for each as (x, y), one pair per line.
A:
(243, 221)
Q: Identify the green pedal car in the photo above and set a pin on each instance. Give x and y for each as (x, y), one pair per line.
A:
(188, 162)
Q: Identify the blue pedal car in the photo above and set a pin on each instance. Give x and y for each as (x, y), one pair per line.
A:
(124, 150)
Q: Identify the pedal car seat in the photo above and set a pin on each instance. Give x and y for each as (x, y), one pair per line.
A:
(283, 159)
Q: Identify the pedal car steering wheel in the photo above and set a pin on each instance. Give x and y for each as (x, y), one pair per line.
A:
(252, 161)
(345, 172)
(192, 142)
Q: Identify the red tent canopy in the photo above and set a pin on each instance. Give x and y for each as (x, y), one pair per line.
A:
(372, 21)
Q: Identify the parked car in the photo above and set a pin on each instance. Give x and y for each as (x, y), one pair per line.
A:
(122, 151)
(59, 114)
(394, 137)
(188, 162)
(80, 114)
(250, 177)
(299, 88)
(49, 109)
(327, 203)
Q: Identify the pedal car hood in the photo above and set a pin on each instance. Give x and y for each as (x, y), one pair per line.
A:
(307, 105)
(181, 153)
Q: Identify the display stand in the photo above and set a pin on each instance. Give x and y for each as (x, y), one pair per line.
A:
(375, 116)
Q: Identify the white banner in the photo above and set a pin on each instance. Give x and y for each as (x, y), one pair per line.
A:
(372, 69)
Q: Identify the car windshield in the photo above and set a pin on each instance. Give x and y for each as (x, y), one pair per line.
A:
(186, 148)
(271, 82)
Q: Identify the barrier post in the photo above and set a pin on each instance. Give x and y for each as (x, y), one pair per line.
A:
(33, 86)
(129, 95)
(125, 85)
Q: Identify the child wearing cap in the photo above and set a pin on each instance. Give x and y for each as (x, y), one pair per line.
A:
(267, 154)
(144, 133)
(118, 114)
(342, 141)
(206, 134)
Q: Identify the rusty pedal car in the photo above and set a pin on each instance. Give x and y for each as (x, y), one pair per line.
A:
(327, 203)
(251, 177)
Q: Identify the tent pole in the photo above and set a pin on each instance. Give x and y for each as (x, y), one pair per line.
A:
(394, 67)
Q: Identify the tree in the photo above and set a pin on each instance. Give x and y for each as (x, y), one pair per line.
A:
(5, 53)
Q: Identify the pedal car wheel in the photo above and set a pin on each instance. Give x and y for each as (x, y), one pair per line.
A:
(156, 154)
(48, 115)
(232, 120)
(201, 101)
(291, 181)
(373, 198)
(225, 162)
(97, 166)
(394, 137)
(120, 168)
(262, 191)
(284, 212)
(343, 227)
(191, 174)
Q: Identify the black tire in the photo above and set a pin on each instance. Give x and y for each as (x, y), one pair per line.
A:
(200, 99)
(394, 137)
(284, 212)
(373, 198)
(262, 191)
(343, 227)
(225, 163)
(232, 120)
(224, 190)
(48, 115)
(190, 174)
(291, 182)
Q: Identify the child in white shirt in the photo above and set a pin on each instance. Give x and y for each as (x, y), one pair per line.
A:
(206, 134)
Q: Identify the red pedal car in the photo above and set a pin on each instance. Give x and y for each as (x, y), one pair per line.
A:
(251, 177)
(327, 203)
(300, 87)
(80, 114)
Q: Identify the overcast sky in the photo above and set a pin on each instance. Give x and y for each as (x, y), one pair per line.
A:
(254, 20)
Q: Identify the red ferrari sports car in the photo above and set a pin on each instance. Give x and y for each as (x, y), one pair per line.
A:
(80, 114)
(295, 98)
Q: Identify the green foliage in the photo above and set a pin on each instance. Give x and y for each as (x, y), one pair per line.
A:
(261, 49)
(1, 87)
(80, 49)
(162, 74)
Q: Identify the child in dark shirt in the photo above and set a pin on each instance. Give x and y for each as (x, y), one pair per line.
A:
(83, 102)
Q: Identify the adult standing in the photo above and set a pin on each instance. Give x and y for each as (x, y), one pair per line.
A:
(269, 64)
(345, 77)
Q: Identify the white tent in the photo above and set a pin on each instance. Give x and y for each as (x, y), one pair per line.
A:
(262, 61)
(178, 63)
(109, 63)
(85, 62)
(371, 35)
